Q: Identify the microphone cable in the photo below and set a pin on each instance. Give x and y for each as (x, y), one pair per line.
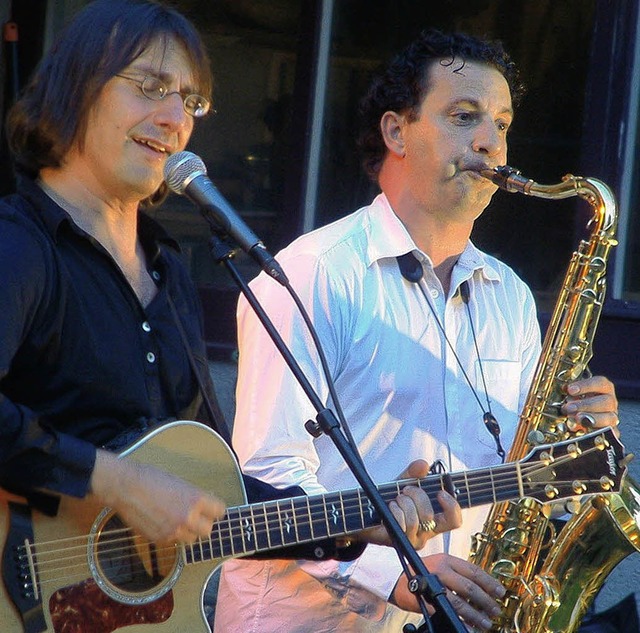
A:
(411, 270)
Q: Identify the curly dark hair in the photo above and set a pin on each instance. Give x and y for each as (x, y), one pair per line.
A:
(103, 39)
(401, 87)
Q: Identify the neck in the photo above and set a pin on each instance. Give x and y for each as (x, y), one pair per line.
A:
(444, 270)
(435, 235)
(112, 224)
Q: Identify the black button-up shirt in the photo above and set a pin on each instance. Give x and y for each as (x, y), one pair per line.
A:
(81, 361)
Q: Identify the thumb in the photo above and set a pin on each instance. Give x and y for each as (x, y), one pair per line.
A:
(416, 469)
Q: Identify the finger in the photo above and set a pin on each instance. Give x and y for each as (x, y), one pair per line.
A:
(593, 384)
(471, 616)
(415, 470)
(398, 515)
(451, 515)
(587, 418)
(185, 535)
(420, 500)
(213, 508)
(594, 402)
(472, 584)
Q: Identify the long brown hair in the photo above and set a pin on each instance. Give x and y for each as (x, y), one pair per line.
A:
(103, 39)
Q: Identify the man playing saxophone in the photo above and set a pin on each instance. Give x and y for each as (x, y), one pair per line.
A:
(432, 344)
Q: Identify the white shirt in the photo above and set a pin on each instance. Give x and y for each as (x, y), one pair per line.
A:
(402, 390)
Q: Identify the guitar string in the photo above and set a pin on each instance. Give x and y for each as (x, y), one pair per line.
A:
(391, 491)
(428, 484)
(201, 551)
(205, 546)
(221, 527)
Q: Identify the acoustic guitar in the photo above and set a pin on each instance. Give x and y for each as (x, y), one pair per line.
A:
(85, 571)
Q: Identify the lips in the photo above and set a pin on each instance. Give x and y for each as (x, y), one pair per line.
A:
(156, 146)
(477, 166)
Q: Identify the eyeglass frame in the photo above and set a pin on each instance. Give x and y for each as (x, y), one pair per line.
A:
(159, 97)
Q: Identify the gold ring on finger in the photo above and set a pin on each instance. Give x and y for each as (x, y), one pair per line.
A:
(428, 526)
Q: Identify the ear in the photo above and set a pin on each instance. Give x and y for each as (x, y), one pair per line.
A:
(392, 126)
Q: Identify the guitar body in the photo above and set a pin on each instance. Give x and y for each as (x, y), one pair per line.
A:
(95, 581)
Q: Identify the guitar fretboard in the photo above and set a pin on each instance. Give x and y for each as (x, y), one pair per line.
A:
(266, 526)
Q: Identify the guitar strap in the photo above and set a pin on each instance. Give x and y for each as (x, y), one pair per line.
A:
(217, 420)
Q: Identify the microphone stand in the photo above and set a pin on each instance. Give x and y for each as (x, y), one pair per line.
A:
(424, 585)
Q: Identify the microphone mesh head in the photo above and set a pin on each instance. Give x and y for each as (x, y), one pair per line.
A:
(181, 168)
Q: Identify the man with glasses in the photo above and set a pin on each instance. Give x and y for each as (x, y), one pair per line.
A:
(90, 348)
(100, 323)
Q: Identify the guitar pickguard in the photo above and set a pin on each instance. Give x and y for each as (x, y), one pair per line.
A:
(85, 607)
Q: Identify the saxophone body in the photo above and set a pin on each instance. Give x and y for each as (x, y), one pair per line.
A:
(552, 577)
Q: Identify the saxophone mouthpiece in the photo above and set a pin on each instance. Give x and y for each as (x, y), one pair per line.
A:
(508, 178)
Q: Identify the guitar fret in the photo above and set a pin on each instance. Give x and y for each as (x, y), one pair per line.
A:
(230, 535)
(279, 515)
(260, 531)
(267, 530)
(334, 517)
(287, 529)
(520, 488)
(313, 534)
(301, 515)
(361, 510)
(326, 515)
(238, 536)
(466, 483)
(218, 529)
(493, 485)
(187, 551)
(318, 512)
(295, 520)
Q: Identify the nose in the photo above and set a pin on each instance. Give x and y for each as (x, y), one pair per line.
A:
(170, 113)
(489, 139)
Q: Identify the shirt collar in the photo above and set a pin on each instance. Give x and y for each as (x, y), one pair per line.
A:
(390, 238)
(54, 218)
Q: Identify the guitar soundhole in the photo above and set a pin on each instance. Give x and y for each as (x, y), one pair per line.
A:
(129, 568)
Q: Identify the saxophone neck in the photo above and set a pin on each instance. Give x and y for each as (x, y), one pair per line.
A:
(594, 191)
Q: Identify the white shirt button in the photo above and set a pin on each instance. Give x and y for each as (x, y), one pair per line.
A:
(434, 293)
(151, 357)
(146, 327)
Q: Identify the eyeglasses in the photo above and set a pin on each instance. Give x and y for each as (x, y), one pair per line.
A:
(156, 90)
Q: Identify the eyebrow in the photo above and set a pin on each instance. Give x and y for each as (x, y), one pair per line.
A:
(476, 104)
(162, 75)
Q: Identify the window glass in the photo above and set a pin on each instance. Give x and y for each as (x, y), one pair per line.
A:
(631, 255)
(252, 46)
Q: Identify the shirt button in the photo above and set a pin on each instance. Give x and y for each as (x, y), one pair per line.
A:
(155, 274)
(434, 293)
(151, 357)
(146, 327)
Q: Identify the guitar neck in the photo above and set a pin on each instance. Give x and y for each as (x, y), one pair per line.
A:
(261, 527)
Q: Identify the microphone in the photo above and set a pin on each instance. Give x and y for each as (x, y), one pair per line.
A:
(410, 267)
(186, 174)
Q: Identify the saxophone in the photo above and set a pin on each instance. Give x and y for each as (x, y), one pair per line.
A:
(552, 577)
